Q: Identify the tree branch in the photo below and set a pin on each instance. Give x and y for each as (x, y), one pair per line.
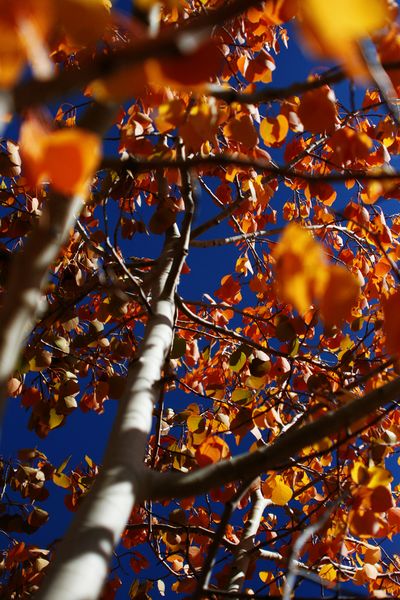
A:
(139, 165)
(30, 267)
(82, 560)
(169, 42)
(271, 457)
(242, 560)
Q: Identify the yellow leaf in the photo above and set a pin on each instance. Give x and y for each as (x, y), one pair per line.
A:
(359, 473)
(273, 130)
(61, 480)
(194, 422)
(64, 464)
(281, 492)
(89, 461)
(301, 270)
(55, 419)
(372, 477)
(265, 576)
(170, 115)
(378, 476)
(241, 395)
(328, 572)
(333, 28)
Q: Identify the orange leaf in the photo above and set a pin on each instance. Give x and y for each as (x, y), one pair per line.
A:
(230, 290)
(170, 115)
(317, 110)
(78, 149)
(273, 130)
(381, 499)
(260, 68)
(125, 83)
(76, 15)
(201, 126)
(274, 12)
(212, 450)
(364, 524)
(66, 157)
(192, 68)
(340, 295)
(373, 555)
(349, 146)
(241, 129)
(301, 270)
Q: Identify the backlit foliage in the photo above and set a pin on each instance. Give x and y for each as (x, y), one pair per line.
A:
(295, 248)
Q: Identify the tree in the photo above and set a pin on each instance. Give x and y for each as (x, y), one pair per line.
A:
(275, 393)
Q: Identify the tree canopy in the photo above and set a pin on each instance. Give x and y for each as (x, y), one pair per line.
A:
(217, 254)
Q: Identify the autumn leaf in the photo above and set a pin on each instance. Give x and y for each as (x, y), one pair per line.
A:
(229, 291)
(281, 492)
(381, 499)
(241, 129)
(328, 572)
(170, 115)
(332, 29)
(260, 68)
(371, 477)
(125, 83)
(45, 154)
(274, 130)
(378, 476)
(200, 126)
(212, 450)
(349, 147)
(301, 269)
(317, 110)
(55, 419)
(340, 295)
(190, 69)
(274, 12)
(83, 21)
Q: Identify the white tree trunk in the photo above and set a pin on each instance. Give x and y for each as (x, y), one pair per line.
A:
(84, 555)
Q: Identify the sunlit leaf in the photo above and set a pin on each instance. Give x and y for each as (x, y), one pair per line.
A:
(46, 153)
(301, 270)
(379, 476)
(55, 419)
(212, 450)
(281, 492)
(328, 572)
(340, 295)
(274, 130)
(332, 29)
(317, 110)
